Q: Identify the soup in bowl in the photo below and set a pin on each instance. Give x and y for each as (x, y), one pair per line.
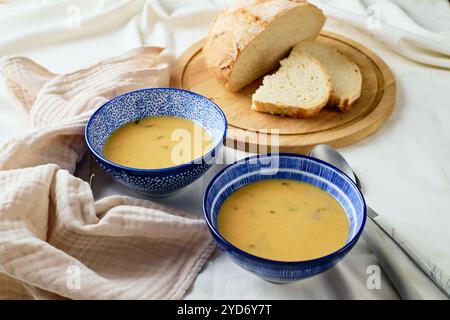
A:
(156, 140)
(284, 217)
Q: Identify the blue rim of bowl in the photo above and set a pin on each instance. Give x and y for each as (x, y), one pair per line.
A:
(118, 166)
(278, 262)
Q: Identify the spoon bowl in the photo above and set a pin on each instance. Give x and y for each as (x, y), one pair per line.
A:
(328, 154)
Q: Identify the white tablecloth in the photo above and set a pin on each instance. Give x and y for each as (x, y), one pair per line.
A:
(403, 166)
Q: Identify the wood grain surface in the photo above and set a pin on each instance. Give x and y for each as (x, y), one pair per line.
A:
(259, 132)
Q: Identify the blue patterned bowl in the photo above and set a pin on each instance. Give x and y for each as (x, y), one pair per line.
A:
(285, 166)
(139, 104)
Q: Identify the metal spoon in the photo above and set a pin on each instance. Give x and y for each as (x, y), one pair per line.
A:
(408, 269)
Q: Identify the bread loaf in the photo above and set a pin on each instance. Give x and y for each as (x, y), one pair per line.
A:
(248, 40)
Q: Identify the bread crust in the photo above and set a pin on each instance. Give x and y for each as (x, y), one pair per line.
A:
(231, 31)
(286, 110)
(345, 104)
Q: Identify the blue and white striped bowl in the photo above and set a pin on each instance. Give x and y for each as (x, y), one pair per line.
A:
(143, 103)
(285, 166)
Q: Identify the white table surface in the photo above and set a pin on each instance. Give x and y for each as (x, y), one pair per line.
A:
(404, 166)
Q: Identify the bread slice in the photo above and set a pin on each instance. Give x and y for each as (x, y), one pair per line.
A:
(346, 79)
(299, 89)
(248, 40)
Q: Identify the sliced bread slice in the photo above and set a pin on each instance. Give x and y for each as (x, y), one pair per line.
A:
(346, 79)
(299, 89)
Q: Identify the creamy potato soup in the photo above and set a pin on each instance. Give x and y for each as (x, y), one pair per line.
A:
(157, 142)
(285, 220)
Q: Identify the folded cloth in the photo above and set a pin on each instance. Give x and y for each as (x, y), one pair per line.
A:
(399, 24)
(55, 240)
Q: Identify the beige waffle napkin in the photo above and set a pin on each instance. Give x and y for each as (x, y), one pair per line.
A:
(55, 240)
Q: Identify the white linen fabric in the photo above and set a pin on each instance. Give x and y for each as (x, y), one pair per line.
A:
(403, 166)
(407, 27)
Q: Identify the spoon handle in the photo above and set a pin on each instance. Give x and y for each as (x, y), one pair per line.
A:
(395, 255)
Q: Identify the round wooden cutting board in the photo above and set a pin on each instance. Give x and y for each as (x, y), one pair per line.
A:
(253, 131)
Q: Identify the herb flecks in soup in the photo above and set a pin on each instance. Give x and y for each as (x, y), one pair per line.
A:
(157, 142)
(284, 220)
